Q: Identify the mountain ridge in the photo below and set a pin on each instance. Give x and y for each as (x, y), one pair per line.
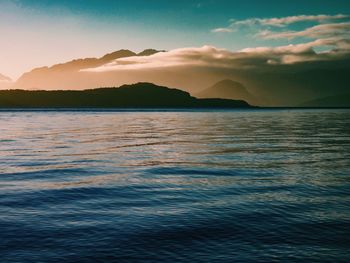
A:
(69, 71)
(139, 95)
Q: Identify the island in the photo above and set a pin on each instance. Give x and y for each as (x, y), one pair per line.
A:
(139, 95)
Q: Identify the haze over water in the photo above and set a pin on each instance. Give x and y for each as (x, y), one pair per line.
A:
(170, 186)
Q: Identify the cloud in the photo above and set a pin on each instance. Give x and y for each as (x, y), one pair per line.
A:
(318, 31)
(283, 21)
(208, 56)
(280, 76)
(331, 34)
(222, 30)
(178, 57)
(279, 22)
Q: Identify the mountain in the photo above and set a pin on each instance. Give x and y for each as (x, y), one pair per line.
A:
(149, 52)
(4, 78)
(68, 76)
(140, 95)
(228, 89)
(5, 82)
(330, 101)
(264, 83)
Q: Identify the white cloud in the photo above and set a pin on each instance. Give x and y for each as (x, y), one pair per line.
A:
(283, 21)
(222, 30)
(177, 57)
(279, 22)
(208, 56)
(331, 34)
(319, 31)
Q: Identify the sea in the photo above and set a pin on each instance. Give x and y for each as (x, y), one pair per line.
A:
(251, 185)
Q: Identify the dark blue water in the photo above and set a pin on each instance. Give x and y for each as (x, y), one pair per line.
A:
(225, 186)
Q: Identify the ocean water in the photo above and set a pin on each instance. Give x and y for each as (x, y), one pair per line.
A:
(175, 186)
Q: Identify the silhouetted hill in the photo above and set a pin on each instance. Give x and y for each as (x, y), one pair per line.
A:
(342, 100)
(140, 95)
(228, 89)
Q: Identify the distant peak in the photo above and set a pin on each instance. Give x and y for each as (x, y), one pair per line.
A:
(4, 78)
(228, 82)
(149, 52)
(118, 54)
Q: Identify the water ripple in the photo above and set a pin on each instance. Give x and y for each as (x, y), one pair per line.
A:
(175, 186)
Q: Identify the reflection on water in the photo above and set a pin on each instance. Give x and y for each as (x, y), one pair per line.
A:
(189, 186)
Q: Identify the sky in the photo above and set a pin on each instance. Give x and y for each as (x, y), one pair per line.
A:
(42, 33)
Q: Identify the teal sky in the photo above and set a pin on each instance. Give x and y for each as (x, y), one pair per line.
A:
(37, 33)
